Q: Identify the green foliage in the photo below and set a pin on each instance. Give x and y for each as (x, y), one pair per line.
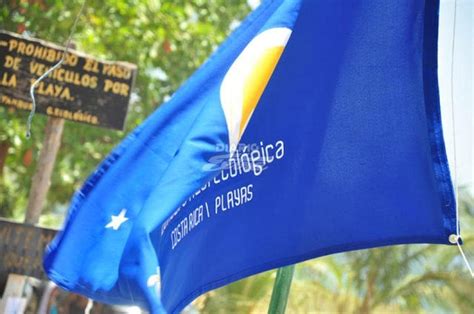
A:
(244, 296)
(167, 40)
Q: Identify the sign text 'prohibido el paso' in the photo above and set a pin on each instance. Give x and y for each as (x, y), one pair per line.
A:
(82, 89)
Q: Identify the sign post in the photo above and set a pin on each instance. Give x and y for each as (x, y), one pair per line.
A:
(42, 178)
(83, 89)
(44, 170)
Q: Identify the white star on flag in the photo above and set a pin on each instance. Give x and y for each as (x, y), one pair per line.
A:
(117, 221)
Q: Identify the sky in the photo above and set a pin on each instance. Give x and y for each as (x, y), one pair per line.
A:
(463, 87)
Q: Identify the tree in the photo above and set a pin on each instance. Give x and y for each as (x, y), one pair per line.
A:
(168, 40)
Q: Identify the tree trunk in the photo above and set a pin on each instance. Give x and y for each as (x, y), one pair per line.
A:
(44, 169)
(3, 155)
(366, 304)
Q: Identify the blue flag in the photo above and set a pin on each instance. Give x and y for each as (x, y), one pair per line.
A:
(314, 129)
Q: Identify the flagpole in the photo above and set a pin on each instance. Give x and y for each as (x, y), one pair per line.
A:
(281, 290)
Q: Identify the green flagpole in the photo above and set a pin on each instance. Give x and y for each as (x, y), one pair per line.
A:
(281, 290)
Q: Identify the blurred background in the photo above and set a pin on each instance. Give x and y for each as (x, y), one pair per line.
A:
(168, 40)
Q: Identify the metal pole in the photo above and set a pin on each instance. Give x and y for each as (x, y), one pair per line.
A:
(281, 290)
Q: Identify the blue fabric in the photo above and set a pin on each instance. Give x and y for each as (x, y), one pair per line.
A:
(344, 151)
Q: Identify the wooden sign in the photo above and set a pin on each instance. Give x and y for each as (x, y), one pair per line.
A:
(83, 89)
(22, 247)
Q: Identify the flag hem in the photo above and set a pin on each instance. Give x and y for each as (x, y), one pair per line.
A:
(432, 107)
